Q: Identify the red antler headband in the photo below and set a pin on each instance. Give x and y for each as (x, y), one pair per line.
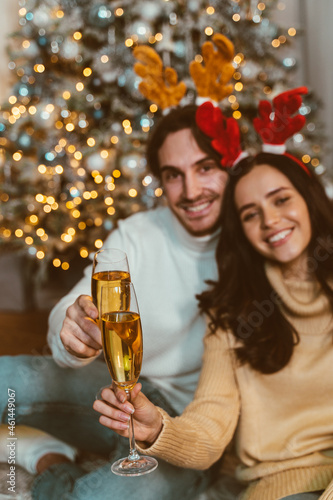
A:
(224, 132)
(273, 126)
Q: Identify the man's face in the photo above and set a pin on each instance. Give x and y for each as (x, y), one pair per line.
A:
(192, 181)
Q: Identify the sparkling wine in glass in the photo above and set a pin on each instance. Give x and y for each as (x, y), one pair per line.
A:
(122, 346)
(110, 266)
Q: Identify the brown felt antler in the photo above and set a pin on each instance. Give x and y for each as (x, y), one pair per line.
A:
(158, 85)
(212, 76)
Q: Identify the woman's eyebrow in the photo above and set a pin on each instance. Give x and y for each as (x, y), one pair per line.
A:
(268, 195)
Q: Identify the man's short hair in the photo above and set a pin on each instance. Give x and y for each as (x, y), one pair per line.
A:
(178, 119)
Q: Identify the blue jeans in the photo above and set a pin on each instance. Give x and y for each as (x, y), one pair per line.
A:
(313, 495)
(59, 401)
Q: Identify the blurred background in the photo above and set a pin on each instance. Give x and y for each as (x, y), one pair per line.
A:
(73, 125)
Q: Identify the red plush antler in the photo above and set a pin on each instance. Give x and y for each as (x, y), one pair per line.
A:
(282, 125)
(224, 132)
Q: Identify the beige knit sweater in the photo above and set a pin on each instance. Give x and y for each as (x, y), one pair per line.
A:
(283, 422)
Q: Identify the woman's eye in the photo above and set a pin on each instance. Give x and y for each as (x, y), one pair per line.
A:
(248, 216)
(280, 201)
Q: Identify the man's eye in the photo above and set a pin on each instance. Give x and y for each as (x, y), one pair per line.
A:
(170, 176)
(208, 166)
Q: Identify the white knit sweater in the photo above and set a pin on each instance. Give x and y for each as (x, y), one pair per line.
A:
(168, 268)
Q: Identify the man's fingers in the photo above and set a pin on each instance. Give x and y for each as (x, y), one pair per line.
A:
(88, 307)
(84, 332)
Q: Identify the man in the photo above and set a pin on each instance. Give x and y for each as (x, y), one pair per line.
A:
(171, 255)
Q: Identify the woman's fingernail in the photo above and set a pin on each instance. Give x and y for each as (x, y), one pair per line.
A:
(124, 417)
(123, 426)
(129, 408)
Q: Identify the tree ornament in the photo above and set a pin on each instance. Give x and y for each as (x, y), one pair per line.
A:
(69, 49)
(101, 16)
(95, 162)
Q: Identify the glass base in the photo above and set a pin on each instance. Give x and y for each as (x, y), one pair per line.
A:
(127, 467)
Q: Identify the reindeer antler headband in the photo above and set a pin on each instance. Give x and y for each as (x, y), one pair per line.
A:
(274, 126)
(211, 77)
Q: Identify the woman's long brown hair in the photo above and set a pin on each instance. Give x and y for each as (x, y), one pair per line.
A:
(242, 299)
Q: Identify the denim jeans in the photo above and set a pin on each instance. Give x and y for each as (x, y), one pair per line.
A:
(313, 495)
(59, 401)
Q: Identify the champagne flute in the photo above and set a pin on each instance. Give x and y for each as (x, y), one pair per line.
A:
(122, 346)
(110, 265)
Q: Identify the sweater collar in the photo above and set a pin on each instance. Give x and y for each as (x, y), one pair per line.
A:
(200, 244)
(299, 298)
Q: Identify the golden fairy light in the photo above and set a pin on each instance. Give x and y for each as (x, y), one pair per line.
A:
(84, 252)
(108, 201)
(98, 243)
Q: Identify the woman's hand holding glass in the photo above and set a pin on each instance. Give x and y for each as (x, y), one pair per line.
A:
(115, 411)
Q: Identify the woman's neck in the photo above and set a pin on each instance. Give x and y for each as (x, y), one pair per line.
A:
(297, 270)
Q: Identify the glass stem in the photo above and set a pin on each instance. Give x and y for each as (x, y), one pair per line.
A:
(133, 454)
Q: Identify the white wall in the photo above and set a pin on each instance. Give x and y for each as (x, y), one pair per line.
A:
(8, 24)
(318, 20)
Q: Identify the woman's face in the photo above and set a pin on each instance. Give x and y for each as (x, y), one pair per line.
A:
(274, 217)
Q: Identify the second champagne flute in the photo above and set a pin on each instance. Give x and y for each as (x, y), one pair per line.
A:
(123, 349)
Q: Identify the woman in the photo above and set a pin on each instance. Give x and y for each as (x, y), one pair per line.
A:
(266, 376)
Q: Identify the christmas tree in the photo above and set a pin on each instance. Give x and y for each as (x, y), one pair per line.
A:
(74, 128)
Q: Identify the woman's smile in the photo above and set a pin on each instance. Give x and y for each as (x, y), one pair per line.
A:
(274, 216)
